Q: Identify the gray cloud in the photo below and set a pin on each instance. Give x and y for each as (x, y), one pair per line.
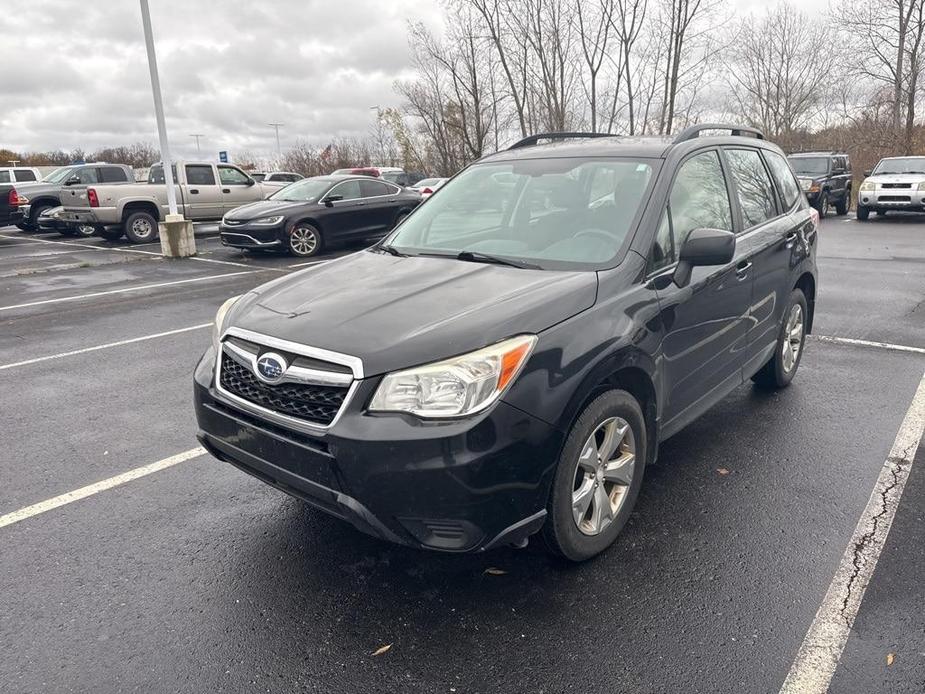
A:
(75, 74)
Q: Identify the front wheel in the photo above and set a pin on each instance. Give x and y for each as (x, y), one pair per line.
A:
(598, 477)
(788, 350)
(863, 213)
(822, 205)
(141, 227)
(305, 240)
(84, 231)
(843, 205)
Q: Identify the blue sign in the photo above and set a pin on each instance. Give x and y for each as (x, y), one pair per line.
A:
(223, 157)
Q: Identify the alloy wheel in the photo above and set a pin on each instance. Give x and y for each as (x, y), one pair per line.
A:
(603, 475)
(303, 241)
(142, 228)
(793, 338)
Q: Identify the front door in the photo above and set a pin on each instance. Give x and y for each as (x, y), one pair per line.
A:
(704, 323)
(348, 217)
(237, 187)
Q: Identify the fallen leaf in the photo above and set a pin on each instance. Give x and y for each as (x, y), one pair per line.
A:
(382, 649)
(722, 471)
(492, 571)
(890, 658)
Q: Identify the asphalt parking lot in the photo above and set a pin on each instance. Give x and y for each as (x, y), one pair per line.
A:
(198, 578)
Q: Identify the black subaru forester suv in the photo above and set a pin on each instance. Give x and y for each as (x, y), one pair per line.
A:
(508, 359)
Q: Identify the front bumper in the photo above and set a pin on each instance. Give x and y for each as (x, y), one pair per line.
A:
(252, 236)
(457, 486)
(893, 199)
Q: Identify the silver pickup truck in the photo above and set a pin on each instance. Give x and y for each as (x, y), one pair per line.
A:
(205, 191)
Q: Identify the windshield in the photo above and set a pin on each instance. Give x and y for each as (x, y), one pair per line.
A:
(59, 175)
(257, 176)
(306, 190)
(392, 176)
(563, 213)
(899, 166)
(809, 166)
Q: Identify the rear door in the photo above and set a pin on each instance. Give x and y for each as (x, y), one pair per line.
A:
(382, 205)
(237, 187)
(205, 195)
(705, 323)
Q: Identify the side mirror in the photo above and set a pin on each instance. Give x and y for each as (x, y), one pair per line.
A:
(704, 247)
(72, 181)
(331, 199)
(868, 173)
(251, 182)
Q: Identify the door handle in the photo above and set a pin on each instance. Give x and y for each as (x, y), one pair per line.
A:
(226, 190)
(790, 238)
(743, 268)
(194, 191)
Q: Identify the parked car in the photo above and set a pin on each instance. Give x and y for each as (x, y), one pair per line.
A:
(284, 177)
(428, 186)
(483, 374)
(896, 183)
(52, 220)
(309, 215)
(45, 194)
(19, 174)
(205, 191)
(357, 171)
(825, 178)
(10, 211)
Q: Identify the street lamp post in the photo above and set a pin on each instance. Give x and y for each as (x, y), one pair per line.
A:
(279, 152)
(197, 136)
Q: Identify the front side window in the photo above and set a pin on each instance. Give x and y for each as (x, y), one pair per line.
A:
(88, 175)
(348, 190)
(789, 188)
(753, 186)
(198, 175)
(230, 175)
(557, 213)
(699, 200)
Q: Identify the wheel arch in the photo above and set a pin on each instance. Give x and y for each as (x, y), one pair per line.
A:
(807, 284)
(310, 220)
(140, 206)
(44, 200)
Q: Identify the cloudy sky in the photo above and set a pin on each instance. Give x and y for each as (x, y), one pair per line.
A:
(74, 74)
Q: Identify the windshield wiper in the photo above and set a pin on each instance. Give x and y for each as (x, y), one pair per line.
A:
(391, 250)
(476, 257)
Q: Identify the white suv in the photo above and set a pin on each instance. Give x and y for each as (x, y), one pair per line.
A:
(897, 183)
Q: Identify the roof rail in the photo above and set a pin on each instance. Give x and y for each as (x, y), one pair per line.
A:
(533, 139)
(694, 131)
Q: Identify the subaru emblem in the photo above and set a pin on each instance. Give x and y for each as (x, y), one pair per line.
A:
(271, 367)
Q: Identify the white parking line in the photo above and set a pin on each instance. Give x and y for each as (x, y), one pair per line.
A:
(128, 289)
(823, 644)
(106, 346)
(82, 493)
(868, 343)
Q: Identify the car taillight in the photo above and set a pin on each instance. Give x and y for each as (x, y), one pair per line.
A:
(91, 196)
(13, 199)
(427, 191)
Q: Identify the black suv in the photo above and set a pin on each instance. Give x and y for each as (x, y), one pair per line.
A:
(825, 178)
(508, 359)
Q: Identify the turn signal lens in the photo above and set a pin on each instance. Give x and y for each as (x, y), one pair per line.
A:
(457, 387)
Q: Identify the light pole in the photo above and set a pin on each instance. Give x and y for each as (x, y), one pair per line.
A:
(12, 162)
(197, 136)
(279, 152)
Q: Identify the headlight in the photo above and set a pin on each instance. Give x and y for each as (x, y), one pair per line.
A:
(268, 221)
(920, 186)
(456, 387)
(219, 324)
(867, 186)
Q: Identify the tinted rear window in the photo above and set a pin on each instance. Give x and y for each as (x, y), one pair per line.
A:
(25, 175)
(112, 174)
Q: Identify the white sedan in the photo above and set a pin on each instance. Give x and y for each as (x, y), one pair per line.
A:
(428, 186)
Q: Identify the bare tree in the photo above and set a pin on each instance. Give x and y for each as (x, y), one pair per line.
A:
(594, 31)
(627, 21)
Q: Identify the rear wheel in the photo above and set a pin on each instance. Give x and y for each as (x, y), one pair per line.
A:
(305, 240)
(843, 205)
(782, 367)
(140, 227)
(863, 213)
(598, 477)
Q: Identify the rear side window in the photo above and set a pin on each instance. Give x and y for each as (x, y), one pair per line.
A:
(699, 200)
(5, 177)
(197, 175)
(112, 174)
(372, 189)
(753, 186)
(786, 183)
(25, 175)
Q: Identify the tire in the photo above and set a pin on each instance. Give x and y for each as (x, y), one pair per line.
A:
(305, 240)
(34, 214)
(863, 213)
(579, 537)
(822, 205)
(140, 227)
(881, 213)
(782, 367)
(111, 234)
(843, 205)
(84, 231)
(68, 231)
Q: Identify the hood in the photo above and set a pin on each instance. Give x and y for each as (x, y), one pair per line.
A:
(395, 312)
(266, 208)
(896, 178)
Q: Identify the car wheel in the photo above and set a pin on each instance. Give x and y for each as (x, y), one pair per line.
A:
(598, 477)
(863, 213)
(84, 231)
(822, 205)
(843, 205)
(34, 215)
(141, 227)
(111, 234)
(788, 352)
(304, 240)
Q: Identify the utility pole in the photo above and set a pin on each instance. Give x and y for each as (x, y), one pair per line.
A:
(197, 136)
(279, 151)
(176, 233)
(12, 162)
